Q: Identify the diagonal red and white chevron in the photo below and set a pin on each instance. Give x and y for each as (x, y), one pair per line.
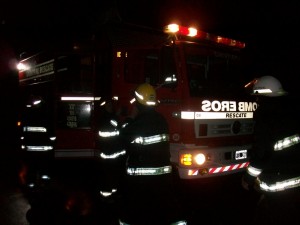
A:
(228, 168)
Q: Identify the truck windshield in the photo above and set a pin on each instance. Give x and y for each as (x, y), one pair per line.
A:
(212, 71)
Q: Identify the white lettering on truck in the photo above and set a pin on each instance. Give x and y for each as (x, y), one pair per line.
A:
(228, 106)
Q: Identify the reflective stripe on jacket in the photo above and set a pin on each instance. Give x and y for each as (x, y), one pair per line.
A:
(279, 181)
(146, 141)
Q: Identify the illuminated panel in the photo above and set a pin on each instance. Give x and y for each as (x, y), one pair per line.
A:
(70, 98)
(29, 72)
(223, 115)
(216, 115)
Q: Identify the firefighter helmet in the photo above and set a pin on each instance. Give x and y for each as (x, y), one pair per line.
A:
(267, 86)
(145, 94)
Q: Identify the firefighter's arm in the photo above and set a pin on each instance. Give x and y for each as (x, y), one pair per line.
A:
(133, 112)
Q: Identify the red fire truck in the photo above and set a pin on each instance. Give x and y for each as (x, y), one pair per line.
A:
(199, 82)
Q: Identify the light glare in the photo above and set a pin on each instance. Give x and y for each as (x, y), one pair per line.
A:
(200, 159)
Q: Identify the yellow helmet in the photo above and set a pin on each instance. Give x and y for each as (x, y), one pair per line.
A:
(145, 94)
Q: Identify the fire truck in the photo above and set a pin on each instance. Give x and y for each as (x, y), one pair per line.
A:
(199, 81)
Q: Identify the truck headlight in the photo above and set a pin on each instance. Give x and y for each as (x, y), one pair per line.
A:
(188, 159)
(200, 158)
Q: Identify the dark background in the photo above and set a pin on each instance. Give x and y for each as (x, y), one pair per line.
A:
(269, 28)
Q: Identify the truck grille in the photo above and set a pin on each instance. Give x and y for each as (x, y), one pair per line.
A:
(221, 128)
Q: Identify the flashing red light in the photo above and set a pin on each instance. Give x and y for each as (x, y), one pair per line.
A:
(193, 32)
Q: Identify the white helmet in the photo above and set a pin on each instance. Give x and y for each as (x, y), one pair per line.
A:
(266, 86)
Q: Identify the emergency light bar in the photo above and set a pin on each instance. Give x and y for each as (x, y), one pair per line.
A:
(193, 32)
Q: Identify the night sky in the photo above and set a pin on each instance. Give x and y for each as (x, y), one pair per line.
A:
(269, 28)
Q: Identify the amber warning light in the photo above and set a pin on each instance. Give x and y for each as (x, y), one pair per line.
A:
(193, 32)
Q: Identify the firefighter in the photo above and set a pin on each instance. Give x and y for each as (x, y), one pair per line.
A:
(37, 144)
(148, 195)
(274, 169)
(109, 155)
